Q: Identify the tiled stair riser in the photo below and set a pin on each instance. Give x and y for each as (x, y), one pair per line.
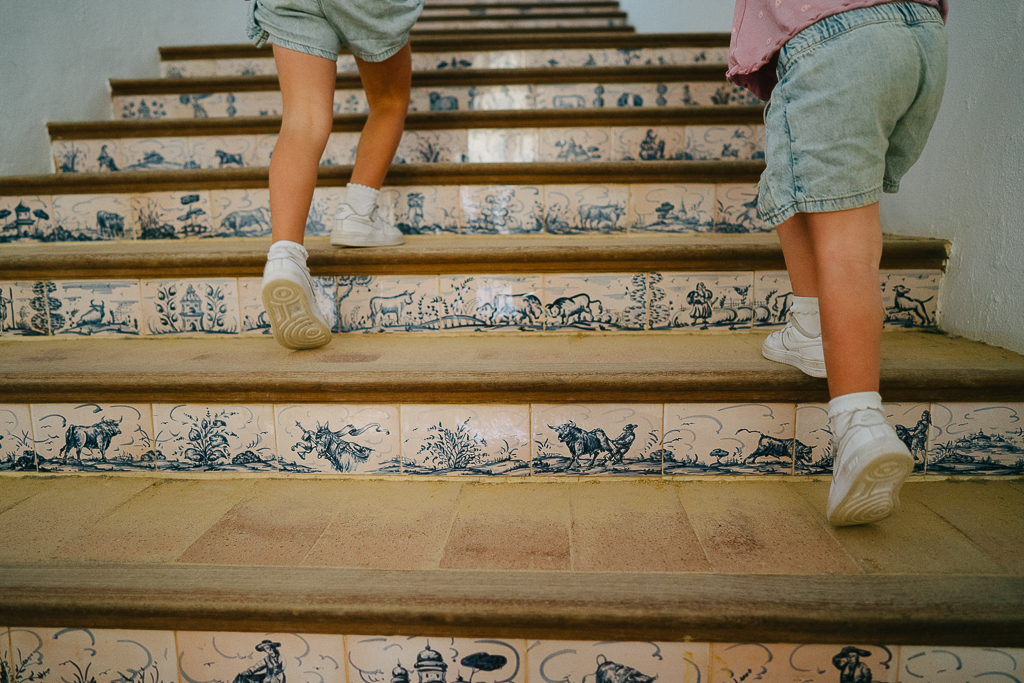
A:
(517, 11)
(637, 440)
(479, 98)
(540, 22)
(444, 209)
(170, 657)
(441, 304)
(506, 59)
(478, 145)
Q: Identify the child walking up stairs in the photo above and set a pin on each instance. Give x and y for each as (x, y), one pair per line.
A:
(542, 445)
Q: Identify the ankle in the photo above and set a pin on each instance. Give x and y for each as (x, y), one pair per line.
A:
(804, 316)
(361, 198)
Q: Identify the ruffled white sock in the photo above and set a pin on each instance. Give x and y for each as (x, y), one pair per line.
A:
(862, 400)
(361, 198)
(803, 313)
(288, 249)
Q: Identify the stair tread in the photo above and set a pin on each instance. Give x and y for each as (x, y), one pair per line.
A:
(437, 253)
(696, 560)
(648, 367)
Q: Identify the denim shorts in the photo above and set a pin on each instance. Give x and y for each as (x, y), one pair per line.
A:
(858, 93)
(372, 29)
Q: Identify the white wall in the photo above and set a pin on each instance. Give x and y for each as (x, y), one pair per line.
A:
(56, 56)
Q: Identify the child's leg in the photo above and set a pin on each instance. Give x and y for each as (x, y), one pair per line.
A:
(387, 85)
(307, 89)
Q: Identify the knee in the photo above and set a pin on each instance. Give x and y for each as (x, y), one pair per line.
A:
(312, 125)
(390, 104)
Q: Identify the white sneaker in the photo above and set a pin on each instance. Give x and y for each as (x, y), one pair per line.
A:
(792, 346)
(352, 229)
(295, 316)
(870, 465)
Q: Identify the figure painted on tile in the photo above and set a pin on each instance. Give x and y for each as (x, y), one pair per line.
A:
(570, 150)
(95, 437)
(651, 147)
(381, 307)
(851, 669)
(612, 672)
(439, 102)
(105, 161)
(582, 443)
(344, 456)
(415, 200)
(916, 439)
(700, 299)
(600, 217)
(270, 670)
(111, 224)
(625, 99)
(246, 223)
(778, 449)
(908, 310)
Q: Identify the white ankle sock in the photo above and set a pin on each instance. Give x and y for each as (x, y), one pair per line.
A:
(288, 249)
(859, 401)
(361, 198)
(803, 313)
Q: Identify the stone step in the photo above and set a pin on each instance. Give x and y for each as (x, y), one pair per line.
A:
(548, 21)
(553, 576)
(551, 135)
(491, 406)
(444, 90)
(542, 9)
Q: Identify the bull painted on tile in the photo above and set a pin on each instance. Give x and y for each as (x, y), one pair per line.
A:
(97, 437)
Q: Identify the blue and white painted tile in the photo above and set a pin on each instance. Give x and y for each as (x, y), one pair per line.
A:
(450, 61)
(424, 209)
(93, 438)
(482, 440)
(702, 301)
(144, 107)
(736, 209)
(17, 443)
(722, 94)
(94, 655)
(501, 145)
(23, 308)
(505, 59)
(912, 422)
(773, 296)
(575, 144)
(570, 58)
(910, 298)
(976, 439)
(722, 438)
(245, 67)
(350, 102)
(234, 151)
(347, 64)
(502, 209)
(260, 103)
(26, 219)
(620, 439)
(736, 143)
(580, 662)
(569, 96)
(338, 439)
(502, 97)
(96, 307)
(439, 99)
(632, 95)
(253, 316)
(371, 303)
(961, 664)
(585, 209)
(302, 658)
(265, 150)
(493, 302)
(649, 144)
(671, 208)
(155, 154)
(240, 213)
(92, 217)
(596, 302)
(216, 105)
(191, 68)
(759, 143)
(807, 663)
(190, 307)
(214, 438)
(340, 150)
(92, 156)
(171, 215)
(435, 660)
(326, 203)
(432, 147)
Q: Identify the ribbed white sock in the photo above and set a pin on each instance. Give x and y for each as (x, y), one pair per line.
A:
(803, 311)
(288, 249)
(859, 401)
(361, 198)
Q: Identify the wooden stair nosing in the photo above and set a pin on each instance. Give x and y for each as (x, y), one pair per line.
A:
(470, 18)
(463, 43)
(470, 6)
(541, 173)
(967, 611)
(443, 78)
(494, 368)
(533, 118)
(139, 259)
(621, 29)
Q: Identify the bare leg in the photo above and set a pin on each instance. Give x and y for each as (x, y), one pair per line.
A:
(799, 253)
(307, 89)
(847, 248)
(387, 85)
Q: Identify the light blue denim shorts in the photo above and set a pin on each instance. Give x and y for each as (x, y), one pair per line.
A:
(373, 29)
(858, 93)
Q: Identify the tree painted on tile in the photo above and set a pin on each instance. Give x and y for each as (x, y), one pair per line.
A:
(208, 438)
(447, 449)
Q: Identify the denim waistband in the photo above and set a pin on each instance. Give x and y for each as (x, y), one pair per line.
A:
(900, 12)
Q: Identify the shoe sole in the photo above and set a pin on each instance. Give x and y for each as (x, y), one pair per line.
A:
(343, 240)
(874, 493)
(813, 368)
(292, 321)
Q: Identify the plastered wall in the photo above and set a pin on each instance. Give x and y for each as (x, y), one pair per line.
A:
(56, 57)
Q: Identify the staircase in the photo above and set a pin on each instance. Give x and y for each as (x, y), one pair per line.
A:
(584, 265)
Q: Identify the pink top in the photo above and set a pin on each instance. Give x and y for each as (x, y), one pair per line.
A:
(761, 27)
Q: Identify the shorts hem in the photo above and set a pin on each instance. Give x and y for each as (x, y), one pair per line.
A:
(299, 47)
(855, 201)
(379, 56)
